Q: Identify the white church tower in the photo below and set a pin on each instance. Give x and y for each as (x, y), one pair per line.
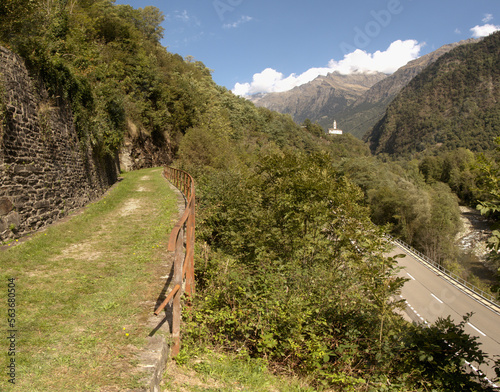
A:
(334, 130)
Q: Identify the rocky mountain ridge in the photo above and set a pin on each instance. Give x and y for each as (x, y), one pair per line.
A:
(363, 114)
(321, 98)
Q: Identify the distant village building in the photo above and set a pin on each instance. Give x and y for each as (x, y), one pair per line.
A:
(334, 130)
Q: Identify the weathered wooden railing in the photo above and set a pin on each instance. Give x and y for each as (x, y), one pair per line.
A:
(183, 232)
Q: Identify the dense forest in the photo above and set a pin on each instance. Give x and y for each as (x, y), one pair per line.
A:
(453, 103)
(290, 258)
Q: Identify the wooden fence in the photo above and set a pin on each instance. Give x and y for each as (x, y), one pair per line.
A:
(182, 233)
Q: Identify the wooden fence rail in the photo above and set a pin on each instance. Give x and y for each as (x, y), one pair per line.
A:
(183, 232)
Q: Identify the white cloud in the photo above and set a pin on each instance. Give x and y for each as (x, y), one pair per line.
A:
(483, 31)
(182, 16)
(397, 54)
(238, 23)
(487, 18)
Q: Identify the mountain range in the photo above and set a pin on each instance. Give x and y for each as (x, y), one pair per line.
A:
(356, 101)
(321, 99)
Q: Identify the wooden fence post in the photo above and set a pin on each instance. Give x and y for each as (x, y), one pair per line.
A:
(183, 262)
(176, 306)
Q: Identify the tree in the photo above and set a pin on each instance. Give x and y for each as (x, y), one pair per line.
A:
(149, 22)
(437, 235)
(313, 128)
(301, 259)
(433, 357)
(17, 17)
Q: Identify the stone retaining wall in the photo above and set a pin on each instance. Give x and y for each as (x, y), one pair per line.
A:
(45, 170)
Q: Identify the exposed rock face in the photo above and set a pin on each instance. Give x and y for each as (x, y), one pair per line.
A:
(143, 151)
(45, 170)
(322, 98)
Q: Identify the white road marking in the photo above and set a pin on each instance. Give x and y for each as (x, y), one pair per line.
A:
(482, 333)
(481, 374)
(410, 276)
(437, 298)
(414, 311)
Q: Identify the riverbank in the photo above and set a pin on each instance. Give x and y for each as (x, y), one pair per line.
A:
(472, 242)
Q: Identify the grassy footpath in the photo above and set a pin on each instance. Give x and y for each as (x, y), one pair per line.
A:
(81, 291)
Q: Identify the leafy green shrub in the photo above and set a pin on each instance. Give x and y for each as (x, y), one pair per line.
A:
(291, 258)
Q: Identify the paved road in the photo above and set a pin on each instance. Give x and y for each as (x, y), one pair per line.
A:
(430, 295)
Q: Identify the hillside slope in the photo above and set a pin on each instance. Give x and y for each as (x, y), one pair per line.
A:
(129, 96)
(366, 111)
(453, 103)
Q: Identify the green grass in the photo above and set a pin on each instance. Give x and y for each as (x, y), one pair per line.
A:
(81, 287)
(205, 370)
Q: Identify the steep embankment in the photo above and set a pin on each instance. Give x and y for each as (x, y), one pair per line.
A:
(453, 103)
(46, 170)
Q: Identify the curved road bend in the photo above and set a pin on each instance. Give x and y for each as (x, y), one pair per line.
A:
(429, 296)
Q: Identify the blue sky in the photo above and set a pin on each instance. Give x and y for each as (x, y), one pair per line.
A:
(261, 46)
